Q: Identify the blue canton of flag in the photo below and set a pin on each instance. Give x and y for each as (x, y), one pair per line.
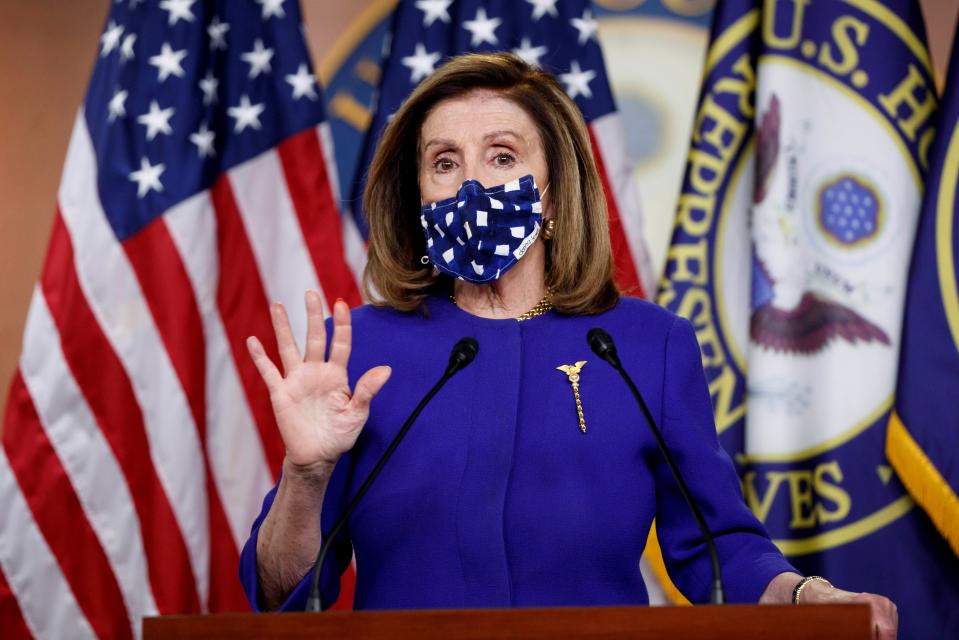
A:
(559, 36)
(181, 93)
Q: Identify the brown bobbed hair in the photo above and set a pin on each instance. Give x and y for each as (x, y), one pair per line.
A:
(579, 262)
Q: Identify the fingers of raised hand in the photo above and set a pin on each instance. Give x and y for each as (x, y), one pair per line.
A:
(315, 328)
(268, 371)
(368, 386)
(289, 354)
(342, 334)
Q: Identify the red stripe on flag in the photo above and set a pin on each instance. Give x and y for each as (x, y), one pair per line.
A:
(309, 185)
(344, 602)
(53, 503)
(244, 308)
(169, 294)
(14, 626)
(107, 390)
(627, 277)
(172, 301)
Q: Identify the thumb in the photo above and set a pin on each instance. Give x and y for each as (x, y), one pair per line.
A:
(368, 386)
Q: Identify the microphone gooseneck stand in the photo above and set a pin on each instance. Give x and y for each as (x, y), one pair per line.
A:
(602, 345)
(463, 353)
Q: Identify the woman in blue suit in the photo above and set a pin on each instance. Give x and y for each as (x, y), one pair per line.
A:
(516, 487)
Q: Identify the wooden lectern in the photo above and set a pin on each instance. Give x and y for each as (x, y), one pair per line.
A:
(733, 622)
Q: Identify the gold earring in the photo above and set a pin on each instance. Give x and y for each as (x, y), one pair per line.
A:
(549, 229)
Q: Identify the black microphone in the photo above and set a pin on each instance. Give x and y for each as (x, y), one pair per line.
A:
(602, 345)
(463, 353)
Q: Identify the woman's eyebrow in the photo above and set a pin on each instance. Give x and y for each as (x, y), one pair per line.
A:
(440, 141)
(503, 133)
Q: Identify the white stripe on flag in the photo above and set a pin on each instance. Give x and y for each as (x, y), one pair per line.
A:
(325, 135)
(611, 140)
(116, 300)
(273, 229)
(87, 458)
(236, 455)
(49, 608)
(657, 596)
(354, 248)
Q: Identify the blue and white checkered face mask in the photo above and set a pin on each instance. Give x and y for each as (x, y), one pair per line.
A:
(479, 234)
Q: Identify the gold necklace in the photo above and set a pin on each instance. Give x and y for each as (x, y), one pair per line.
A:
(538, 309)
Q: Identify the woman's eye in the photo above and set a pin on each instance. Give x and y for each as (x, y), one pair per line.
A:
(443, 165)
(504, 160)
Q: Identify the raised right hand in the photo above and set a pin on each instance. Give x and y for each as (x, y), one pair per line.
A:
(319, 418)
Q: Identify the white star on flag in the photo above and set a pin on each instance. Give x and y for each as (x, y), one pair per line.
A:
(585, 25)
(258, 59)
(126, 49)
(167, 62)
(434, 10)
(117, 105)
(110, 38)
(542, 7)
(147, 177)
(208, 85)
(156, 120)
(217, 32)
(203, 139)
(482, 28)
(529, 53)
(271, 8)
(246, 114)
(577, 80)
(303, 83)
(421, 63)
(178, 10)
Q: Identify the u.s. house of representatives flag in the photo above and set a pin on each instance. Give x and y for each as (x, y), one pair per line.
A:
(923, 437)
(790, 254)
(138, 439)
(556, 35)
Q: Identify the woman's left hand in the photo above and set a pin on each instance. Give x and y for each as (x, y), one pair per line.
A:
(883, 615)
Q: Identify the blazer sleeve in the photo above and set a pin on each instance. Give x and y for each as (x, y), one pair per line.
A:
(337, 559)
(748, 558)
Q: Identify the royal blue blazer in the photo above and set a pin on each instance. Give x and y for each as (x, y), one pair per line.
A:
(496, 498)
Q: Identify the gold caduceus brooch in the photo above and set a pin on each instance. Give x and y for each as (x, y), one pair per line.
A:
(572, 374)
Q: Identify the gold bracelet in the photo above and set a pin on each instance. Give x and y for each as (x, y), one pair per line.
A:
(797, 590)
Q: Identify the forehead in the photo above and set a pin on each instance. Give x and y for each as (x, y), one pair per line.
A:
(474, 114)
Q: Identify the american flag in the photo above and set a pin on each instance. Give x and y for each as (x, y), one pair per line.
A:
(556, 35)
(138, 439)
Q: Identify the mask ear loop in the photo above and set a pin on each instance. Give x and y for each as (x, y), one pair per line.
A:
(425, 258)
